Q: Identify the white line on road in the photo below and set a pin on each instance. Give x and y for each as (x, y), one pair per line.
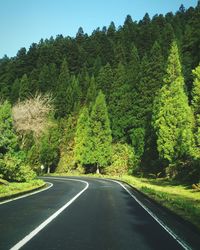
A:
(52, 217)
(29, 194)
(162, 224)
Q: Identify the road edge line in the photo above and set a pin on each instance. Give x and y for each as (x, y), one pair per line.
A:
(28, 194)
(28, 237)
(160, 222)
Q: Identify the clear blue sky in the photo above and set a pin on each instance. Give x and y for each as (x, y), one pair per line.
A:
(23, 22)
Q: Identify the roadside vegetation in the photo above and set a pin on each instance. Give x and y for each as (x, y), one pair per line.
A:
(122, 101)
(8, 189)
(182, 199)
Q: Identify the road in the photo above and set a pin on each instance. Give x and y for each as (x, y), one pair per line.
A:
(84, 214)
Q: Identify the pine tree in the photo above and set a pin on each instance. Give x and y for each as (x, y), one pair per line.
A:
(15, 91)
(74, 95)
(49, 147)
(47, 78)
(101, 138)
(196, 103)
(82, 138)
(91, 92)
(43, 79)
(105, 80)
(150, 84)
(61, 101)
(24, 90)
(120, 105)
(173, 119)
(133, 67)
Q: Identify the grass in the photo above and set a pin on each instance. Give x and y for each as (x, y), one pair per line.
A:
(180, 199)
(9, 189)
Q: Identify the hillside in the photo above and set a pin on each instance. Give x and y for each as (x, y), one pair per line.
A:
(124, 100)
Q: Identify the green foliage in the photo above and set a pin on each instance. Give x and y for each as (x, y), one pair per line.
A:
(24, 91)
(91, 92)
(138, 141)
(120, 105)
(101, 138)
(67, 162)
(173, 119)
(196, 104)
(8, 138)
(61, 100)
(122, 161)
(105, 79)
(49, 147)
(130, 75)
(13, 168)
(15, 91)
(82, 149)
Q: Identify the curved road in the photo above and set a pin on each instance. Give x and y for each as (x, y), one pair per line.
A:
(84, 214)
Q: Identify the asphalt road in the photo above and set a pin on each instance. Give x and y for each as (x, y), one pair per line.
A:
(89, 214)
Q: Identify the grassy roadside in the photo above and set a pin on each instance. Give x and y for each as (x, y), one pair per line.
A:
(18, 188)
(182, 200)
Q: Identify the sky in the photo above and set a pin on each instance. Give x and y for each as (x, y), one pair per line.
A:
(23, 22)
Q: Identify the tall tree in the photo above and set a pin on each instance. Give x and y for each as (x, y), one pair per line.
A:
(91, 92)
(101, 138)
(120, 105)
(61, 101)
(24, 90)
(173, 119)
(15, 91)
(82, 147)
(105, 79)
(150, 83)
(196, 104)
(8, 138)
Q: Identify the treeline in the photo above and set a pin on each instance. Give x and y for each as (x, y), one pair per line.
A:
(125, 99)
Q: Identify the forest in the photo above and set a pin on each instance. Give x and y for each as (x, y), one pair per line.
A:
(123, 100)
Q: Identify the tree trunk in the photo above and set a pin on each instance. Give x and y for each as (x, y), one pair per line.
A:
(48, 170)
(97, 171)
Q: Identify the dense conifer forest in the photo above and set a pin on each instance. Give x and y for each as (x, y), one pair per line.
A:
(121, 100)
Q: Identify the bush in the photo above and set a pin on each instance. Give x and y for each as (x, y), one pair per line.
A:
(185, 171)
(123, 160)
(13, 169)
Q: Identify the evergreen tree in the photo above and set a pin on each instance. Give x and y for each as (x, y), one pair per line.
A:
(133, 68)
(74, 95)
(150, 83)
(120, 105)
(101, 138)
(105, 79)
(91, 92)
(196, 103)
(43, 79)
(48, 78)
(15, 91)
(61, 100)
(83, 79)
(8, 138)
(49, 148)
(173, 119)
(82, 138)
(24, 90)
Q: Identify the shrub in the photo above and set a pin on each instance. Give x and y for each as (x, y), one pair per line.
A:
(185, 171)
(123, 160)
(13, 169)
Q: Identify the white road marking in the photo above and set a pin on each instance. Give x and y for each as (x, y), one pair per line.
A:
(29, 194)
(52, 217)
(162, 224)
